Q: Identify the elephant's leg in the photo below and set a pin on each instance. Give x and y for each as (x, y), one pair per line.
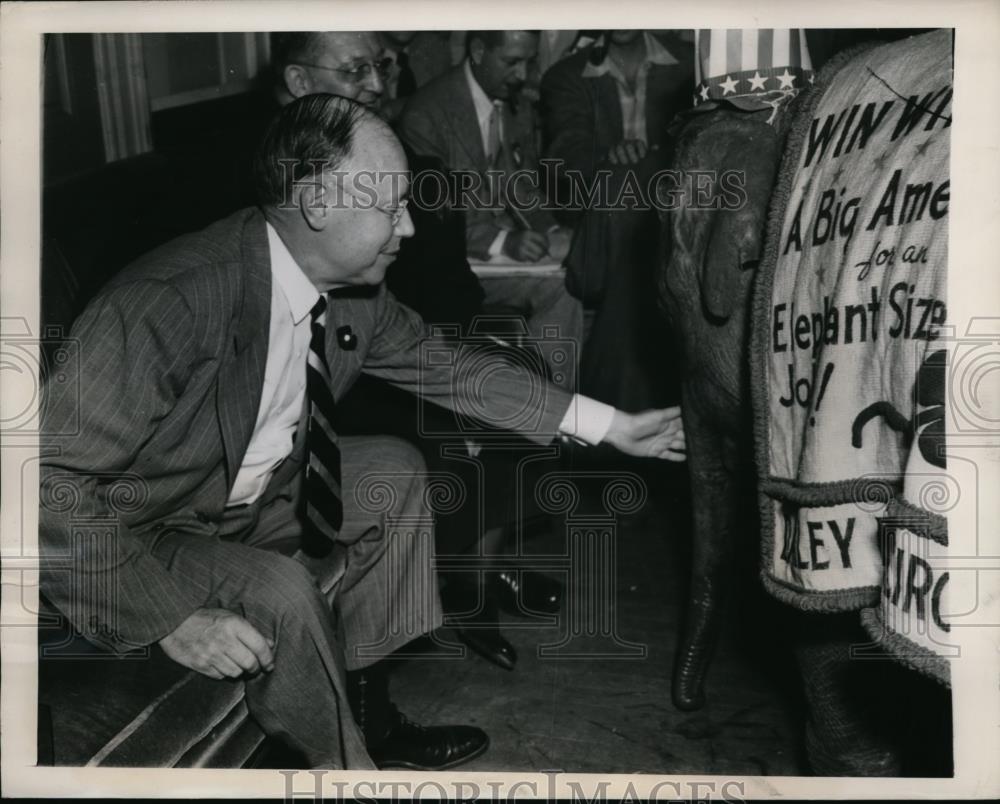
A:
(715, 500)
(848, 703)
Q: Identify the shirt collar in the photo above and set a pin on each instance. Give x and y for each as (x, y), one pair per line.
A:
(482, 102)
(656, 53)
(300, 293)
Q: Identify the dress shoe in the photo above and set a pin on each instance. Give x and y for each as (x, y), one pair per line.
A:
(430, 748)
(479, 630)
(537, 593)
(490, 644)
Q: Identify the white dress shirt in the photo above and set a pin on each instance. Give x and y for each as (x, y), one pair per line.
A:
(284, 390)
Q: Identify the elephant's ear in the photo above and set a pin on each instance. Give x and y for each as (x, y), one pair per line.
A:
(721, 265)
(736, 241)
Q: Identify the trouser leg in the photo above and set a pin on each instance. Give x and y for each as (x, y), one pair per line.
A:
(303, 699)
(389, 594)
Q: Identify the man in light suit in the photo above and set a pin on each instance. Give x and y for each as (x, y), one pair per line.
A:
(206, 379)
(475, 121)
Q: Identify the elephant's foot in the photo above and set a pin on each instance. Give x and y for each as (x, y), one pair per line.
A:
(694, 653)
(845, 732)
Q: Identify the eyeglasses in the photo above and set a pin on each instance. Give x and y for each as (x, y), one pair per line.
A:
(356, 75)
(395, 214)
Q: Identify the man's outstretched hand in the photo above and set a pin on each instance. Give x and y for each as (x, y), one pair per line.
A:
(218, 643)
(650, 434)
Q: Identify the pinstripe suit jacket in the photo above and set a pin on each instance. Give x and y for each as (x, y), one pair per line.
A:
(148, 427)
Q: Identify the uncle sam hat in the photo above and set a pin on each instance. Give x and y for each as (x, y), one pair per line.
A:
(750, 68)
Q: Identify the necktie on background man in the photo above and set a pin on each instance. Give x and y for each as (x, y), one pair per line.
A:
(494, 139)
(324, 509)
(500, 158)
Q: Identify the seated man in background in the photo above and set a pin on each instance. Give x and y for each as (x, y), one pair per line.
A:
(475, 121)
(208, 376)
(352, 64)
(611, 102)
(606, 109)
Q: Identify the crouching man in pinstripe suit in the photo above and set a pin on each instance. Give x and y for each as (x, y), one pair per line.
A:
(208, 374)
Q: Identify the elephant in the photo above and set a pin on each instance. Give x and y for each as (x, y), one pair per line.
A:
(706, 285)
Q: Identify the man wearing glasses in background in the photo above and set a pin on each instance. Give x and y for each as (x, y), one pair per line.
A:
(351, 64)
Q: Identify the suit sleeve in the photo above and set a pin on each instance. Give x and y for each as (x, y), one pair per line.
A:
(469, 377)
(129, 372)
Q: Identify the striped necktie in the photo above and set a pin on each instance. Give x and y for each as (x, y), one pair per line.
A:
(324, 510)
(494, 134)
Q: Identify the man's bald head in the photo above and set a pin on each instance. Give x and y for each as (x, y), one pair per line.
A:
(332, 178)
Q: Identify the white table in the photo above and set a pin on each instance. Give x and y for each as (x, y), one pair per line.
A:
(506, 267)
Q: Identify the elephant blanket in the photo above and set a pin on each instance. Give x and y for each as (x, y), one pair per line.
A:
(847, 359)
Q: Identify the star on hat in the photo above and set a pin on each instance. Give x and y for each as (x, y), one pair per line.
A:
(728, 86)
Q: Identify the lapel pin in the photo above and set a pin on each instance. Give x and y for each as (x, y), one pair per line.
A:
(346, 339)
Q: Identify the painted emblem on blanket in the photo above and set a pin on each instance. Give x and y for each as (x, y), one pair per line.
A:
(928, 424)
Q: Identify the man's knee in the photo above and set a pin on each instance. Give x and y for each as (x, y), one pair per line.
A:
(392, 454)
(387, 476)
(288, 590)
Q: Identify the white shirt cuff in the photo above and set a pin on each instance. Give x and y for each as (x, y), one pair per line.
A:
(587, 420)
(496, 247)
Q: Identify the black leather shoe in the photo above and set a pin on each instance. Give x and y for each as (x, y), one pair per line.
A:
(538, 593)
(430, 748)
(490, 644)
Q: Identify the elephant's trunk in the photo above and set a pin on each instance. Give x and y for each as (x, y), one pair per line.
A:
(705, 287)
(697, 644)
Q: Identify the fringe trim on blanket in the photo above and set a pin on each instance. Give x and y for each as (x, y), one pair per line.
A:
(872, 490)
(916, 657)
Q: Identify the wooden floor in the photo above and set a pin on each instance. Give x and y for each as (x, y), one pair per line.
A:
(597, 713)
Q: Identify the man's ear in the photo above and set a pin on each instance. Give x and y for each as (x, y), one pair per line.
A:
(311, 200)
(297, 80)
